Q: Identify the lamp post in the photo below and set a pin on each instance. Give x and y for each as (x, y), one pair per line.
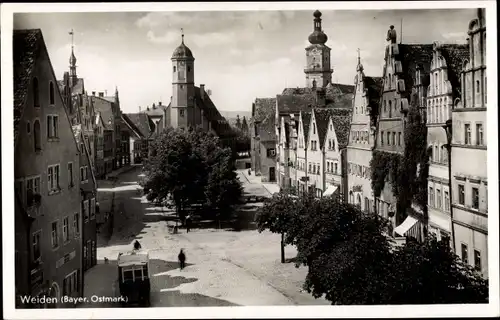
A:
(448, 128)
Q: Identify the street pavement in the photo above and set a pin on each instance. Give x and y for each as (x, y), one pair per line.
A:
(224, 267)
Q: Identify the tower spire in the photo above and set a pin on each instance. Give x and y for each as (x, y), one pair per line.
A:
(72, 61)
(182, 35)
(359, 56)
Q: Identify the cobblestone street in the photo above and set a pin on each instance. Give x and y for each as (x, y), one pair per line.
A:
(224, 268)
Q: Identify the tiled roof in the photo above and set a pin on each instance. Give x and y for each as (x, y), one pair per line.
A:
(26, 47)
(412, 55)
(264, 114)
(306, 122)
(294, 103)
(264, 108)
(78, 88)
(332, 88)
(156, 110)
(339, 116)
(455, 55)
(341, 125)
(104, 107)
(141, 122)
(218, 122)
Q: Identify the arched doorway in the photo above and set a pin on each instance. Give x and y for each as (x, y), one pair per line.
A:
(54, 292)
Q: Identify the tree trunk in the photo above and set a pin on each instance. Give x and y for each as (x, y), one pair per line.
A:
(282, 247)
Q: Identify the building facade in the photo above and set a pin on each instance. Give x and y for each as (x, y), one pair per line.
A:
(362, 139)
(469, 154)
(443, 90)
(141, 129)
(46, 181)
(263, 139)
(99, 163)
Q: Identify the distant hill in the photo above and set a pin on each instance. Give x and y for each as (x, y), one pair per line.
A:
(231, 115)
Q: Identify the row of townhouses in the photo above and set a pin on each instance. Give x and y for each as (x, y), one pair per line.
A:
(67, 139)
(334, 139)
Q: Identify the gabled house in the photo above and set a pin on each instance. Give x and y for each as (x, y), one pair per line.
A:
(141, 129)
(302, 146)
(263, 139)
(314, 155)
(335, 154)
(88, 194)
(48, 241)
(362, 139)
(443, 90)
(99, 160)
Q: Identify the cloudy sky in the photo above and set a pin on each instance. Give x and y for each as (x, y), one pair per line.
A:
(240, 55)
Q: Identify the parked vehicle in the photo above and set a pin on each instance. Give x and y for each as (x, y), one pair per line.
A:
(134, 277)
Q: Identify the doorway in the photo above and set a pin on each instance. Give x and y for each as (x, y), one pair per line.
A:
(272, 174)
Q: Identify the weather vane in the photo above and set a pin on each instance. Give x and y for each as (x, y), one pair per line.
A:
(182, 34)
(72, 35)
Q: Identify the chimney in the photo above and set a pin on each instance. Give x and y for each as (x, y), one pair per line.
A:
(154, 106)
(147, 108)
(101, 94)
(159, 103)
(320, 97)
(93, 93)
(202, 91)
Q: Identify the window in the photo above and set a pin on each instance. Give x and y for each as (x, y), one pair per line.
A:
(83, 173)
(54, 236)
(438, 199)
(336, 167)
(388, 138)
(85, 210)
(399, 138)
(314, 128)
(479, 134)
(465, 256)
(181, 113)
(37, 135)
(32, 188)
(53, 177)
(382, 138)
(461, 194)
(475, 198)
(70, 174)
(51, 93)
(317, 168)
(436, 154)
(52, 126)
(28, 127)
(189, 69)
(175, 69)
(92, 208)
(477, 86)
(76, 224)
(36, 245)
(446, 201)
(36, 93)
(467, 134)
(66, 229)
(328, 167)
(310, 165)
(477, 260)
(390, 107)
(431, 196)
(71, 283)
(394, 138)
(385, 106)
(128, 275)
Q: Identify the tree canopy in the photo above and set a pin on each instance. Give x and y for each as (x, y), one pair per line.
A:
(191, 167)
(351, 259)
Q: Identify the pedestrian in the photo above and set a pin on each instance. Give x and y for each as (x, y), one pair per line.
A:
(182, 259)
(137, 245)
(188, 223)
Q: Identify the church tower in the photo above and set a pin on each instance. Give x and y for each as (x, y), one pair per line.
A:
(183, 90)
(318, 69)
(72, 64)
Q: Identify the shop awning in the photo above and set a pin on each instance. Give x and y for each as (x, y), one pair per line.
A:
(330, 190)
(405, 226)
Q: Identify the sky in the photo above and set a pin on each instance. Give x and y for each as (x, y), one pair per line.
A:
(239, 55)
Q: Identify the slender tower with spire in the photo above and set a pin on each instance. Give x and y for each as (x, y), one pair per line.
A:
(318, 66)
(72, 62)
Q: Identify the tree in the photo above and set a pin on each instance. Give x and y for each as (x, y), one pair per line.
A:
(277, 215)
(189, 166)
(244, 125)
(350, 260)
(238, 122)
(223, 189)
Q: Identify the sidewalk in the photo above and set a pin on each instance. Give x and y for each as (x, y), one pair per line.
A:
(269, 186)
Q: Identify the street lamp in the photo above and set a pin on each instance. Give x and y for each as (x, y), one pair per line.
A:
(448, 128)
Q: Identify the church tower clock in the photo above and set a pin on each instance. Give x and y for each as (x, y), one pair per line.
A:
(183, 90)
(318, 68)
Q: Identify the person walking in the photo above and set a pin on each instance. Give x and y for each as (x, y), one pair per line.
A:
(182, 259)
(137, 245)
(188, 223)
